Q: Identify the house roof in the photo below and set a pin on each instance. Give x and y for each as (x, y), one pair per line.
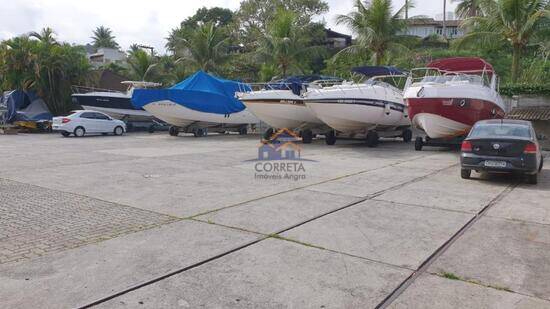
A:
(432, 22)
(530, 113)
(333, 34)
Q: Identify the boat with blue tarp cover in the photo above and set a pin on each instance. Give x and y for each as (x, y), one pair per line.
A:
(199, 103)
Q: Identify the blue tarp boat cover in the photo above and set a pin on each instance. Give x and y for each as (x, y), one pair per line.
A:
(296, 83)
(377, 70)
(24, 106)
(201, 92)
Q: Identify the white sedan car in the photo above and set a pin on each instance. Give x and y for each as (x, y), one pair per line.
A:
(85, 122)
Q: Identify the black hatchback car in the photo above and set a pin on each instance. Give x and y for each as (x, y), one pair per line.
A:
(502, 146)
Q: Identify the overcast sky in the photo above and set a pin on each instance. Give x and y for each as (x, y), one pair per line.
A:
(138, 21)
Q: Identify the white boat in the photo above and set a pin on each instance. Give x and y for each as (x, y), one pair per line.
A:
(373, 109)
(450, 96)
(199, 104)
(116, 104)
(280, 105)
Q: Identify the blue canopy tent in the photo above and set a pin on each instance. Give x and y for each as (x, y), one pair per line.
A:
(201, 92)
(377, 70)
(24, 106)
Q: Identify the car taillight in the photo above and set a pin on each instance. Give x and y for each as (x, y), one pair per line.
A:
(530, 148)
(466, 146)
(65, 120)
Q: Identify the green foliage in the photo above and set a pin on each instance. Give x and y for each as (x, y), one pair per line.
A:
(286, 44)
(341, 66)
(376, 28)
(43, 65)
(507, 22)
(518, 89)
(103, 37)
(217, 15)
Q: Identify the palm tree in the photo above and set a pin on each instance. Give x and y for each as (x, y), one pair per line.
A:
(513, 21)
(468, 8)
(46, 35)
(141, 64)
(204, 48)
(376, 28)
(103, 37)
(285, 43)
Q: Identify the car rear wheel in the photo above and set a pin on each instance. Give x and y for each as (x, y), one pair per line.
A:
(65, 134)
(532, 179)
(79, 131)
(119, 130)
(465, 173)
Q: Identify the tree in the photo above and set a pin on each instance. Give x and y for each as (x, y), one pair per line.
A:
(103, 37)
(47, 68)
(376, 28)
(220, 17)
(46, 35)
(142, 66)
(217, 15)
(513, 22)
(285, 44)
(204, 48)
(468, 8)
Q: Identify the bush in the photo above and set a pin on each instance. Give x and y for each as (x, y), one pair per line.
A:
(517, 89)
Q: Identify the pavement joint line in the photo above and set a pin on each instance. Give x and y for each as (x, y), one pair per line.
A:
(97, 199)
(518, 220)
(311, 185)
(425, 206)
(218, 256)
(439, 251)
(476, 282)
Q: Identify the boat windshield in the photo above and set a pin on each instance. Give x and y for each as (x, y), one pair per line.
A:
(440, 77)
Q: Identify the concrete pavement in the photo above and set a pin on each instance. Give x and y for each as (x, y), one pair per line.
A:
(149, 220)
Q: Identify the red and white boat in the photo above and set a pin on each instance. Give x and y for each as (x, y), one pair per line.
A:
(452, 95)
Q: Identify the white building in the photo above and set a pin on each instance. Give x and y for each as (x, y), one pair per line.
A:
(105, 56)
(424, 27)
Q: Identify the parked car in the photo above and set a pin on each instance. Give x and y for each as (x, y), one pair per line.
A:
(502, 146)
(85, 122)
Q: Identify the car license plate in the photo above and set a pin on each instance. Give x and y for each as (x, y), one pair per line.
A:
(495, 163)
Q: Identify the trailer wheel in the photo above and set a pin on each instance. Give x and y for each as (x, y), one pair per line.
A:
(307, 136)
(173, 131)
(268, 133)
(407, 135)
(372, 139)
(330, 138)
(199, 132)
(418, 143)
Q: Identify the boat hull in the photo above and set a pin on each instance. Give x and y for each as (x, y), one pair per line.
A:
(359, 116)
(181, 116)
(450, 117)
(290, 114)
(116, 105)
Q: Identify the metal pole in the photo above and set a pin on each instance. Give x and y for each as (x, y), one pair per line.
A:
(444, 19)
